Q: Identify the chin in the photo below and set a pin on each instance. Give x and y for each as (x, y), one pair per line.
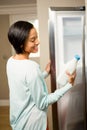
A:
(35, 51)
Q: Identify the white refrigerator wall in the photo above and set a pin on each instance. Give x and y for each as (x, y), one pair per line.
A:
(68, 38)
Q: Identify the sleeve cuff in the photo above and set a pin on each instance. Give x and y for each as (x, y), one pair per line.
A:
(45, 74)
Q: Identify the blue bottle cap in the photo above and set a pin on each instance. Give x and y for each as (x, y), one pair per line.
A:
(77, 57)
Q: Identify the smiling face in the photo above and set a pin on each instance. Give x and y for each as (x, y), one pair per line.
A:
(32, 42)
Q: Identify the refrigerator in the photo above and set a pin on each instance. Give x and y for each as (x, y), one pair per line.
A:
(67, 37)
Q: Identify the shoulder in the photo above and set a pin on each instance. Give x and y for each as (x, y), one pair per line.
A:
(33, 71)
(32, 67)
(32, 64)
(26, 65)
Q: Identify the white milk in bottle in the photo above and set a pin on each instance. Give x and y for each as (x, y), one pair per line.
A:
(70, 67)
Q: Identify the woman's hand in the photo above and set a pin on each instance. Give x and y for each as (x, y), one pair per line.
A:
(48, 67)
(71, 77)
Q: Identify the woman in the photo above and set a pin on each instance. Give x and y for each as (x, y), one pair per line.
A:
(29, 98)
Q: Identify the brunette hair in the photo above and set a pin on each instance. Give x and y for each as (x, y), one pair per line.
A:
(18, 34)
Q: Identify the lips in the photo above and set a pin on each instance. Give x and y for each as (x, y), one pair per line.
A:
(35, 48)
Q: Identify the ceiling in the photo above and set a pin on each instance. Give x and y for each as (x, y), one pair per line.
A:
(16, 2)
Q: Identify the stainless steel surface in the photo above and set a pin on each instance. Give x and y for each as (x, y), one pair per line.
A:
(69, 39)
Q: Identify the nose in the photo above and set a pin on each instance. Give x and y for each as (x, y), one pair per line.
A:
(37, 42)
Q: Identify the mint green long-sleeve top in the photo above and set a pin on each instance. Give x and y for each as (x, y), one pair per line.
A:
(29, 98)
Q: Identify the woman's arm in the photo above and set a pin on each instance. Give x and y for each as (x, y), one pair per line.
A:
(38, 90)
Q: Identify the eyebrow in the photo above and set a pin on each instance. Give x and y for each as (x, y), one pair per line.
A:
(33, 37)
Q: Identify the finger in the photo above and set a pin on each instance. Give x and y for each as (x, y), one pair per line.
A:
(68, 73)
(73, 74)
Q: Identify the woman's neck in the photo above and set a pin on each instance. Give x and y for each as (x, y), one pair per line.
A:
(21, 56)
